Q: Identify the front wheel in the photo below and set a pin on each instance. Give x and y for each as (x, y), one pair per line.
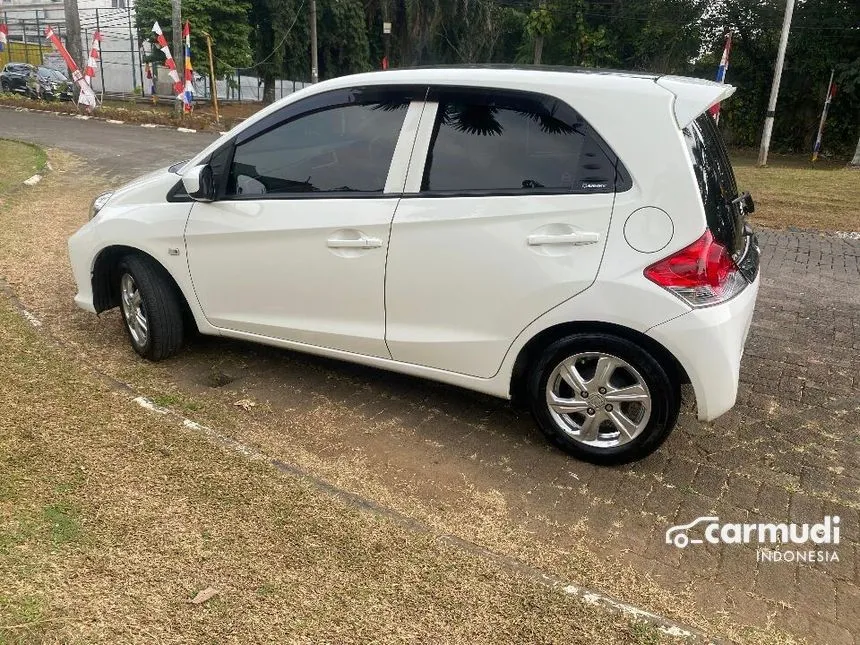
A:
(602, 398)
(151, 309)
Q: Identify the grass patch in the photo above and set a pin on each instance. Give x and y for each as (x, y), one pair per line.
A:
(20, 161)
(131, 112)
(791, 192)
(62, 523)
(168, 514)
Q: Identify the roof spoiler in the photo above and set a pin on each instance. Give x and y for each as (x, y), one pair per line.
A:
(693, 96)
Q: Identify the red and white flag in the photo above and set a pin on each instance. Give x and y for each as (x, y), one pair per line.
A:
(87, 97)
(178, 87)
(95, 54)
(721, 74)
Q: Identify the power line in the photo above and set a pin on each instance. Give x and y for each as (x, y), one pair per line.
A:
(277, 47)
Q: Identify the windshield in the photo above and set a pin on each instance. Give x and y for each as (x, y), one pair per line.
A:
(51, 74)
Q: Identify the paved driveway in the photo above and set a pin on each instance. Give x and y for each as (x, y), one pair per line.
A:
(787, 451)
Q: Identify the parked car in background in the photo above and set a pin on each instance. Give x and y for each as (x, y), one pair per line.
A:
(571, 238)
(36, 82)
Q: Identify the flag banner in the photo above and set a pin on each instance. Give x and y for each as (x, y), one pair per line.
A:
(188, 95)
(721, 74)
(4, 36)
(87, 96)
(168, 60)
(95, 54)
(831, 92)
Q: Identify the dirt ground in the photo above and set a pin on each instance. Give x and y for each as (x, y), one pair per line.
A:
(113, 519)
(395, 440)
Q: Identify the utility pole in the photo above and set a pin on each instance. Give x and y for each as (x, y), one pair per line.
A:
(386, 37)
(315, 70)
(73, 32)
(774, 88)
(178, 52)
(855, 162)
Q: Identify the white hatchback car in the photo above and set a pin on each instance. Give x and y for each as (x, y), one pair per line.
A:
(572, 238)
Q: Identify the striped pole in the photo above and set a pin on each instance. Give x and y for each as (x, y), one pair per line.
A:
(168, 60)
(831, 91)
(188, 94)
(87, 97)
(95, 55)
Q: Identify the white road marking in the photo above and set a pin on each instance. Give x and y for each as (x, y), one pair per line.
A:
(189, 130)
(31, 318)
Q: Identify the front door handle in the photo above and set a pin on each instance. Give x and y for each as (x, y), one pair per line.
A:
(566, 238)
(360, 243)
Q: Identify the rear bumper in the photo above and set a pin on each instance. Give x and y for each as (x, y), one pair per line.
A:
(709, 344)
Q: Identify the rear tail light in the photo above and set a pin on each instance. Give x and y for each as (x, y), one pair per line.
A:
(701, 274)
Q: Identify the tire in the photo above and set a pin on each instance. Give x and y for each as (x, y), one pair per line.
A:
(159, 303)
(612, 427)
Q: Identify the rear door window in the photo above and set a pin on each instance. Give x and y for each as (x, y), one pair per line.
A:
(513, 143)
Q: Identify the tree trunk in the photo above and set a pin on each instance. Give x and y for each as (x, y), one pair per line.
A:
(176, 49)
(268, 89)
(538, 48)
(855, 162)
(73, 32)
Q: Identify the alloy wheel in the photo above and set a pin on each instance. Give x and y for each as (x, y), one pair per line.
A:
(133, 310)
(598, 399)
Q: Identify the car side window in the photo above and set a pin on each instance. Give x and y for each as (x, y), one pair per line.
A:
(339, 149)
(513, 143)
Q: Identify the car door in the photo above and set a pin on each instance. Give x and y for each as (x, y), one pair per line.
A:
(294, 248)
(505, 219)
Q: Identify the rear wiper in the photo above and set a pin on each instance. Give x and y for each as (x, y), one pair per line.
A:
(745, 201)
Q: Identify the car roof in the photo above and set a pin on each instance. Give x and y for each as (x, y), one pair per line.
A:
(568, 69)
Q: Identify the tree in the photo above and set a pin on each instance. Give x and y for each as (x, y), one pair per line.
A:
(225, 20)
(824, 36)
(73, 32)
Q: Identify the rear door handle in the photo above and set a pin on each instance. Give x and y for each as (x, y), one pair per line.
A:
(566, 238)
(361, 243)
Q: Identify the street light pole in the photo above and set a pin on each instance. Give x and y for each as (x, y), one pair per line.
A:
(315, 74)
(774, 88)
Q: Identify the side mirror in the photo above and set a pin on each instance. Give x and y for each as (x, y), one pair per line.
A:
(199, 183)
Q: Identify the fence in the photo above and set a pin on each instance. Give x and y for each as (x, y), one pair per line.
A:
(121, 69)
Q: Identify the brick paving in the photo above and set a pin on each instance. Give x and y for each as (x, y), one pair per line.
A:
(787, 451)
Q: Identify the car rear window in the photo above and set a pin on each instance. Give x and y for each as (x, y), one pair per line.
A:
(502, 143)
(716, 181)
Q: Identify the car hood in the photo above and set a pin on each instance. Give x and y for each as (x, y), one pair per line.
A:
(146, 187)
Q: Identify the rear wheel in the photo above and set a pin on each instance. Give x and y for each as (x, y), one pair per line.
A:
(602, 398)
(151, 309)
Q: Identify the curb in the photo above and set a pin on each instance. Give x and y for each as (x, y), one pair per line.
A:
(91, 117)
(511, 564)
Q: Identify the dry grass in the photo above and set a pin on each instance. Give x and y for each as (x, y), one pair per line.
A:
(33, 259)
(20, 161)
(791, 192)
(112, 519)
